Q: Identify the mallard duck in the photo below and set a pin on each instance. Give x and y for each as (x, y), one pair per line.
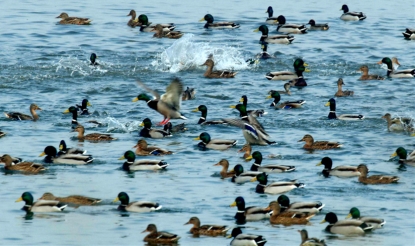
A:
(144, 25)
(240, 239)
(351, 16)
(189, 94)
(149, 132)
(159, 237)
(217, 73)
(74, 199)
(408, 73)
(224, 173)
(73, 20)
(53, 157)
(341, 93)
(26, 167)
(250, 213)
(16, 160)
(159, 33)
(143, 149)
(299, 207)
(169, 128)
(345, 227)
(256, 112)
(275, 39)
(264, 53)
(374, 179)
(247, 148)
(132, 22)
(139, 207)
(167, 104)
(256, 166)
(202, 120)
(275, 187)
(83, 108)
(366, 76)
(270, 20)
(287, 75)
(332, 114)
(217, 144)
(64, 150)
(306, 241)
(216, 25)
(95, 137)
(310, 144)
(207, 230)
(93, 58)
(398, 123)
(286, 218)
(240, 176)
(283, 105)
(41, 205)
(140, 165)
(409, 33)
(300, 81)
(19, 116)
(319, 27)
(285, 91)
(339, 171)
(355, 214)
(403, 156)
(289, 28)
(74, 111)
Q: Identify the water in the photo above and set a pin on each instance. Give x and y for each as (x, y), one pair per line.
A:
(47, 64)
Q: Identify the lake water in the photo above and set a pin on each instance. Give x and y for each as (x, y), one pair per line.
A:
(48, 64)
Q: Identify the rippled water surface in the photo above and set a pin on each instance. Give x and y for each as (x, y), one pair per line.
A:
(45, 63)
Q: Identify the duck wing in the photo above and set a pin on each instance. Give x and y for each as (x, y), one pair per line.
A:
(173, 95)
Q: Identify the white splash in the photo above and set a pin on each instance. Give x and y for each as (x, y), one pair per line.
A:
(75, 66)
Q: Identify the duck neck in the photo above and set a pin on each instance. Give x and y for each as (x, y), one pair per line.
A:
(208, 70)
(34, 114)
(260, 188)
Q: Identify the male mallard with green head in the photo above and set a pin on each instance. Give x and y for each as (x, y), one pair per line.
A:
(275, 39)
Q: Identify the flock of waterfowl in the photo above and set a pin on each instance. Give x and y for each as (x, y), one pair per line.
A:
(280, 211)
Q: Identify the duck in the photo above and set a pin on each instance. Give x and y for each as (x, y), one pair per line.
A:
(145, 26)
(332, 114)
(169, 128)
(351, 16)
(404, 158)
(251, 213)
(189, 94)
(299, 207)
(391, 73)
(16, 160)
(142, 149)
(94, 137)
(286, 90)
(74, 199)
(409, 33)
(159, 237)
(19, 116)
(306, 241)
(376, 223)
(275, 39)
(65, 150)
(159, 33)
(318, 27)
(240, 239)
(398, 123)
(41, 205)
(322, 145)
(83, 108)
(256, 112)
(75, 159)
(217, 25)
(132, 22)
(264, 53)
(366, 76)
(339, 171)
(224, 173)
(270, 20)
(74, 111)
(216, 144)
(286, 218)
(240, 176)
(167, 104)
(217, 73)
(202, 120)
(345, 227)
(287, 75)
(207, 230)
(256, 166)
(140, 165)
(66, 20)
(374, 179)
(289, 28)
(341, 93)
(247, 149)
(25, 167)
(138, 207)
(93, 61)
(149, 132)
(300, 81)
(283, 105)
(275, 187)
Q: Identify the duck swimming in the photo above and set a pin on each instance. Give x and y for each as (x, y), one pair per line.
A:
(351, 16)
(149, 132)
(19, 116)
(275, 39)
(332, 115)
(144, 25)
(217, 73)
(366, 76)
(320, 27)
(217, 25)
(340, 92)
(289, 28)
(66, 20)
(391, 73)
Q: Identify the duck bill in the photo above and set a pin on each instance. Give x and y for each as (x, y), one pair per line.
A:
(203, 19)
(187, 223)
(253, 179)
(327, 104)
(232, 106)
(198, 138)
(229, 236)
(269, 97)
(323, 221)
(19, 200)
(319, 164)
(307, 70)
(60, 147)
(195, 110)
(305, 64)
(301, 140)
(135, 146)
(394, 154)
(116, 199)
(42, 154)
(233, 204)
(217, 164)
(88, 103)
(142, 124)
(135, 99)
(379, 62)
(249, 157)
(256, 30)
(121, 158)
(348, 216)
(66, 111)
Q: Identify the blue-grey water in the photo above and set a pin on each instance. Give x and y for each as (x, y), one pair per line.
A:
(45, 63)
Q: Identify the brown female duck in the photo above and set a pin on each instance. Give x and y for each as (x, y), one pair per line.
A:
(160, 33)
(374, 179)
(92, 136)
(132, 22)
(159, 237)
(74, 199)
(341, 93)
(207, 230)
(247, 148)
(286, 218)
(398, 123)
(322, 145)
(66, 20)
(306, 241)
(143, 149)
(225, 166)
(366, 76)
(218, 73)
(26, 167)
(19, 116)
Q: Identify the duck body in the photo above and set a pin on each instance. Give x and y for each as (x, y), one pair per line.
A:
(65, 150)
(283, 105)
(217, 73)
(374, 179)
(376, 223)
(148, 132)
(25, 167)
(142, 149)
(299, 207)
(240, 239)
(202, 120)
(42, 206)
(159, 237)
(145, 25)
(66, 20)
(252, 213)
(276, 187)
(241, 177)
(318, 27)
(366, 76)
(207, 230)
(351, 16)
(274, 39)
(141, 165)
(94, 137)
(306, 241)
(332, 114)
(83, 108)
(169, 128)
(339, 171)
(286, 90)
(392, 73)
(289, 28)
(160, 33)
(270, 20)
(210, 24)
(74, 199)
(138, 207)
(257, 167)
(345, 227)
(73, 159)
(322, 145)
(340, 92)
(224, 173)
(398, 123)
(409, 33)
(189, 94)
(19, 116)
(216, 144)
(299, 67)
(286, 218)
